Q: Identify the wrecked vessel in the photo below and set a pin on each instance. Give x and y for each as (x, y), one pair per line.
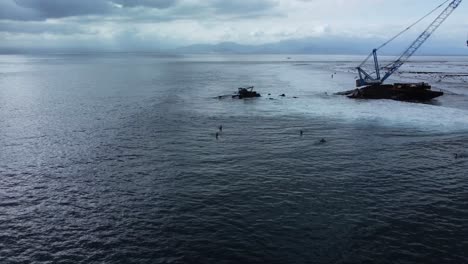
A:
(246, 92)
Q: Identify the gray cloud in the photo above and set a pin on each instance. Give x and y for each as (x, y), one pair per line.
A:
(243, 6)
(30, 10)
(9, 9)
(37, 10)
(36, 27)
(42, 9)
(160, 4)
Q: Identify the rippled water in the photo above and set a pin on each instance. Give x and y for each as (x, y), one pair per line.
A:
(113, 159)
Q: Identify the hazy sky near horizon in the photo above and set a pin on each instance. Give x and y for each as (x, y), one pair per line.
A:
(162, 24)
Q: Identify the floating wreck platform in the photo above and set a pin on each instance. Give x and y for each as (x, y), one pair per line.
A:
(412, 92)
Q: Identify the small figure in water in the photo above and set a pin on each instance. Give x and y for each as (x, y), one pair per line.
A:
(332, 76)
(323, 141)
(302, 133)
(221, 128)
(217, 135)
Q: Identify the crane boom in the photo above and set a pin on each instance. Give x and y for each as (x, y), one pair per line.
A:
(366, 78)
(421, 39)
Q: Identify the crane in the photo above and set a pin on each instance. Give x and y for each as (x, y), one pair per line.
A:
(377, 77)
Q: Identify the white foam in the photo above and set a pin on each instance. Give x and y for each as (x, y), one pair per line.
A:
(386, 113)
(445, 117)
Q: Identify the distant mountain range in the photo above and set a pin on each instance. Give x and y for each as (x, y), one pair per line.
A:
(323, 46)
(319, 45)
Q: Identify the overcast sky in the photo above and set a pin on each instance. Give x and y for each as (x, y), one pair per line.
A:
(162, 24)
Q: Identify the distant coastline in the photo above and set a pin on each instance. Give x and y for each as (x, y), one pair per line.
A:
(316, 46)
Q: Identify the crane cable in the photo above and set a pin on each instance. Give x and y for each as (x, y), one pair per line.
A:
(404, 31)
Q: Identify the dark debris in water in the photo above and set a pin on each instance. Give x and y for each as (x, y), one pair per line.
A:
(248, 92)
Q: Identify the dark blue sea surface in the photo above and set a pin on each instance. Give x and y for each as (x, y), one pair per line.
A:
(112, 158)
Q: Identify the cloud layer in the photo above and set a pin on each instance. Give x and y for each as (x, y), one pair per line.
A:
(162, 24)
(43, 9)
(29, 10)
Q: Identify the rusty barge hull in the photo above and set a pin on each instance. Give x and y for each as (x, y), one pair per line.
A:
(411, 92)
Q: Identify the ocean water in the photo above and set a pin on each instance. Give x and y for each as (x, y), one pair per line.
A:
(112, 158)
